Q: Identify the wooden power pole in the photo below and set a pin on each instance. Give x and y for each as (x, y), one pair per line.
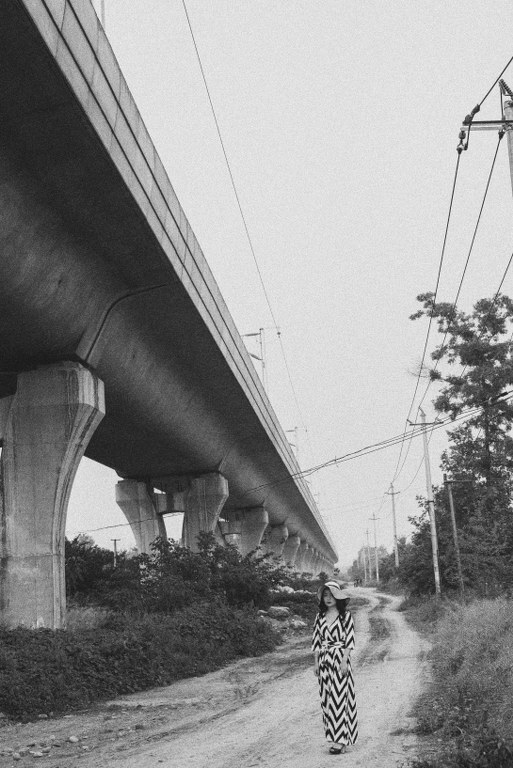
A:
(368, 556)
(376, 559)
(393, 494)
(449, 484)
(431, 505)
(115, 542)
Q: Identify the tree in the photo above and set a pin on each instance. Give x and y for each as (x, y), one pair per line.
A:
(86, 565)
(481, 344)
(481, 447)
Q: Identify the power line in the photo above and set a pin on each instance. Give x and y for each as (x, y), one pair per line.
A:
(440, 264)
(366, 450)
(232, 179)
(246, 228)
(488, 92)
(338, 460)
(455, 302)
(397, 471)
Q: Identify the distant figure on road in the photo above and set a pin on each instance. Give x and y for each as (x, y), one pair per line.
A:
(332, 643)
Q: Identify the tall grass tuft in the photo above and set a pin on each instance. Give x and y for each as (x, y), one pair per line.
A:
(469, 703)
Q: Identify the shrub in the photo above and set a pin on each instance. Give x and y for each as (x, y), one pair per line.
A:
(86, 564)
(43, 671)
(89, 617)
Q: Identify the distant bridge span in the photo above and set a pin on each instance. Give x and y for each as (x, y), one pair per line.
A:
(115, 340)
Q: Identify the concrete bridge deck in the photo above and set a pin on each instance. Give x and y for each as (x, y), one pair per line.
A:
(104, 286)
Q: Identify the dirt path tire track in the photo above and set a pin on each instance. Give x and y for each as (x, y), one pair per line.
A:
(261, 713)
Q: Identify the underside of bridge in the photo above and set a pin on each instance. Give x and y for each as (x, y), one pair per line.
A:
(114, 339)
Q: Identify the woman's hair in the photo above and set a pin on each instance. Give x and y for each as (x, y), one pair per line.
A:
(341, 605)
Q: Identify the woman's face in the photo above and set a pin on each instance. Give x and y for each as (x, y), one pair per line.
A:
(329, 600)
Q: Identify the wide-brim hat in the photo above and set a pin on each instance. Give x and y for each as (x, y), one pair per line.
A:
(335, 590)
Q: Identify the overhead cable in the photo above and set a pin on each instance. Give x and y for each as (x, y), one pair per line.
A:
(488, 92)
(366, 450)
(440, 264)
(455, 302)
(398, 470)
(244, 222)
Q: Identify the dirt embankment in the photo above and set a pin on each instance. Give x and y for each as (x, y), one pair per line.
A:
(257, 712)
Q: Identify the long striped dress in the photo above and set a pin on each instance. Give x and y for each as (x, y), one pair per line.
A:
(338, 702)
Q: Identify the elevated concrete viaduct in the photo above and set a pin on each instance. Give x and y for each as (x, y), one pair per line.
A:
(115, 341)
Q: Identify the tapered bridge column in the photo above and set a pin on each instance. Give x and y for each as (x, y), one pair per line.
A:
(290, 550)
(274, 541)
(45, 428)
(203, 502)
(301, 557)
(249, 526)
(138, 505)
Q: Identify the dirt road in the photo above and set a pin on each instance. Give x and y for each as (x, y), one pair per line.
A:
(255, 713)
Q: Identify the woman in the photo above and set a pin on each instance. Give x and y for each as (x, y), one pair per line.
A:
(332, 643)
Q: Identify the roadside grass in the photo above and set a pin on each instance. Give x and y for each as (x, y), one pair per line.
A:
(467, 708)
(425, 613)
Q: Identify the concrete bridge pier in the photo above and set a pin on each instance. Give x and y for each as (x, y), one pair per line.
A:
(290, 550)
(316, 563)
(203, 502)
(139, 508)
(231, 531)
(274, 540)
(307, 560)
(248, 527)
(300, 563)
(310, 560)
(45, 428)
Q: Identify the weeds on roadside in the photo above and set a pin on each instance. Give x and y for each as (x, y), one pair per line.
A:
(468, 705)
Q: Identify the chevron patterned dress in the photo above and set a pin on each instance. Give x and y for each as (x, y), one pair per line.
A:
(338, 702)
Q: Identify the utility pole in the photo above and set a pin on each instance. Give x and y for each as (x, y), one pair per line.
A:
(115, 542)
(431, 505)
(103, 13)
(448, 484)
(368, 556)
(364, 558)
(504, 125)
(393, 494)
(508, 114)
(376, 559)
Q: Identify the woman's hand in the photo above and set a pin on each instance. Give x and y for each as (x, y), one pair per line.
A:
(343, 665)
(316, 669)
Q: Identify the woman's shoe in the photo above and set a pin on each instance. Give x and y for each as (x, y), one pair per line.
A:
(335, 750)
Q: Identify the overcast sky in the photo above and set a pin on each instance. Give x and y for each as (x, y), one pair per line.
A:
(340, 119)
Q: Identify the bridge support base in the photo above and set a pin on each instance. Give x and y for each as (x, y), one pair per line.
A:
(274, 540)
(250, 525)
(45, 429)
(302, 557)
(290, 549)
(139, 509)
(203, 502)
